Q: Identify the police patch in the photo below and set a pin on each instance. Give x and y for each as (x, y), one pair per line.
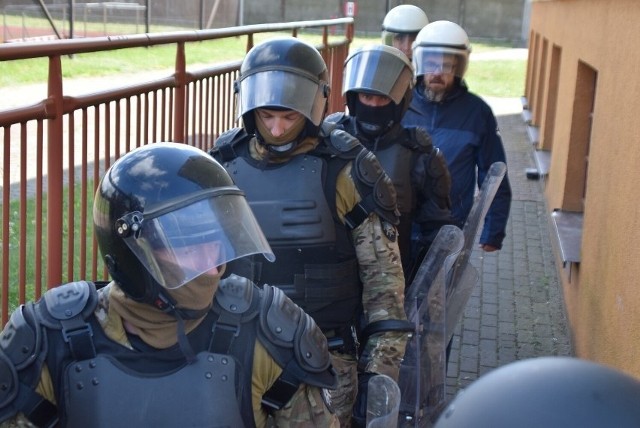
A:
(389, 230)
(328, 402)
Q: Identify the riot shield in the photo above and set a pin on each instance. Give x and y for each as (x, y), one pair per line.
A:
(475, 219)
(463, 276)
(383, 401)
(423, 369)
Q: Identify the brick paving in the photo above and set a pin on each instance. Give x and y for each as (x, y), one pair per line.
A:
(516, 310)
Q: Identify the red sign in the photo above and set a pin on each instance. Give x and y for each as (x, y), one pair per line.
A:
(350, 8)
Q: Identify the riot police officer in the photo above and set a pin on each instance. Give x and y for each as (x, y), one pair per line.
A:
(377, 85)
(328, 211)
(160, 345)
(549, 392)
(401, 25)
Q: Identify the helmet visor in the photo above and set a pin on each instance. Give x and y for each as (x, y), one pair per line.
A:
(428, 60)
(179, 242)
(377, 73)
(277, 88)
(399, 40)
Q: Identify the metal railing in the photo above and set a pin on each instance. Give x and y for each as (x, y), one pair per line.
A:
(55, 150)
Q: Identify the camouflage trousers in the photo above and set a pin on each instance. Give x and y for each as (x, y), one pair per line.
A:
(344, 396)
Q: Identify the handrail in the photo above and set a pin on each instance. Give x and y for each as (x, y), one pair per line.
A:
(54, 150)
(38, 49)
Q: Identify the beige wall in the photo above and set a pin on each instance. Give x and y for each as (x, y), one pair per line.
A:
(594, 38)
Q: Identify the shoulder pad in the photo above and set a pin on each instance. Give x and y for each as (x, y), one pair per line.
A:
(223, 146)
(288, 332)
(20, 340)
(67, 301)
(235, 294)
(336, 118)
(344, 143)
(376, 190)
(421, 139)
(328, 124)
(8, 383)
(21, 344)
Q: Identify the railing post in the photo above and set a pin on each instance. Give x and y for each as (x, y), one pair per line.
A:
(54, 174)
(179, 111)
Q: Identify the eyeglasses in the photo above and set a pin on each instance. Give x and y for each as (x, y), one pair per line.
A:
(437, 67)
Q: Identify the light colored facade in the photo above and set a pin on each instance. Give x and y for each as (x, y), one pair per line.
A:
(583, 95)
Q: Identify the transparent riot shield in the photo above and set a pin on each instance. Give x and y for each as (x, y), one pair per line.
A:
(463, 276)
(383, 401)
(423, 369)
(475, 220)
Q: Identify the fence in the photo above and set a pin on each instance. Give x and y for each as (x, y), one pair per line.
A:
(109, 14)
(55, 150)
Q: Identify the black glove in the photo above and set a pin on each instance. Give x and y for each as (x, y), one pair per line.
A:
(359, 414)
(438, 179)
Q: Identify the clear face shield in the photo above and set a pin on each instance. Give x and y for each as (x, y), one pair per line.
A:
(377, 72)
(277, 88)
(402, 41)
(183, 239)
(431, 61)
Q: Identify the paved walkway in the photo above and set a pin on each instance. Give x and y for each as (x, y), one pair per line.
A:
(516, 310)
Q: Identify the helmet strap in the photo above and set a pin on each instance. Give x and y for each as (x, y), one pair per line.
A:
(166, 304)
(183, 342)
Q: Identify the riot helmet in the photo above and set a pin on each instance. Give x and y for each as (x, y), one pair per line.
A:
(435, 42)
(166, 213)
(550, 392)
(284, 73)
(402, 24)
(377, 70)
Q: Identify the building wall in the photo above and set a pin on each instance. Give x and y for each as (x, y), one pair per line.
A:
(576, 45)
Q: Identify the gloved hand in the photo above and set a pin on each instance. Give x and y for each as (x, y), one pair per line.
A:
(359, 415)
(438, 179)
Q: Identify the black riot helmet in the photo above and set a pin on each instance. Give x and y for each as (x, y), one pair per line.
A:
(283, 73)
(378, 70)
(166, 213)
(549, 392)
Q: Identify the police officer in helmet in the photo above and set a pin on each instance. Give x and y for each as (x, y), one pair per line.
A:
(547, 392)
(328, 211)
(401, 25)
(377, 85)
(167, 342)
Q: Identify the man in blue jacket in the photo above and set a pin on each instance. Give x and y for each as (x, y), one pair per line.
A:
(460, 123)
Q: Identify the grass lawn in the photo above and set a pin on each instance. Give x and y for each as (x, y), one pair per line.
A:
(500, 78)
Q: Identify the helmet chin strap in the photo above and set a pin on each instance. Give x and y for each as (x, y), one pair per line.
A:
(167, 304)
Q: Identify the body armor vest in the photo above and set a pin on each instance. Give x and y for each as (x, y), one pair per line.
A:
(155, 387)
(98, 382)
(396, 156)
(315, 260)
